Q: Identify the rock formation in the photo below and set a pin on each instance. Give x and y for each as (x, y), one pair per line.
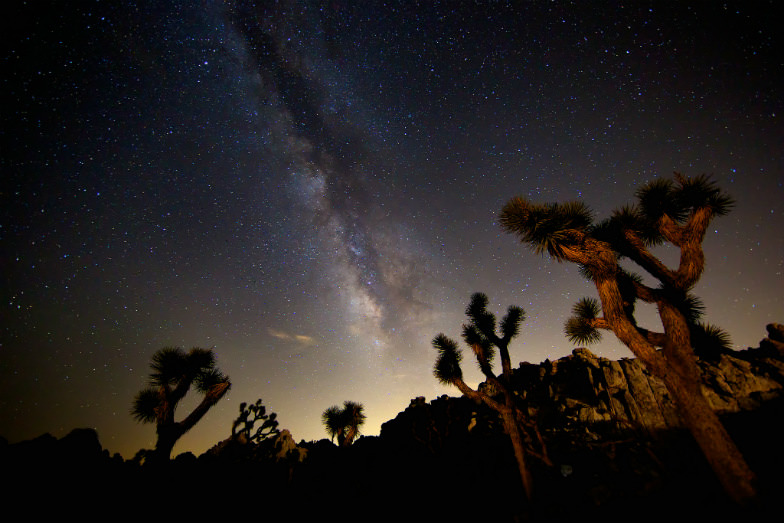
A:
(587, 391)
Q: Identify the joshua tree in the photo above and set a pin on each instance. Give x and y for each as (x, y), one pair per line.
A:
(268, 427)
(480, 335)
(174, 372)
(333, 423)
(354, 418)
(675, 212)
(344, 423)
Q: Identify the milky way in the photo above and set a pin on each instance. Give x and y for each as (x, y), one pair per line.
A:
(311, 188)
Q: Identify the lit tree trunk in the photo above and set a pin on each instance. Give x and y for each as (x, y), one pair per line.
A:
(676, 365)
(352, 433)
(684, 382)
(721, 452)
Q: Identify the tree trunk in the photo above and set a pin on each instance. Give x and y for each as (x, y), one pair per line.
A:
(512, 429)
(352, 433)
(167, 437)
(683, 380)
(716, 444)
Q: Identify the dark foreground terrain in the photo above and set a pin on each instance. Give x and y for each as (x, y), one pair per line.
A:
(466, 477)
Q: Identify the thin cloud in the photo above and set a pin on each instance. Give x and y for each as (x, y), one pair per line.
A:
(302, 339)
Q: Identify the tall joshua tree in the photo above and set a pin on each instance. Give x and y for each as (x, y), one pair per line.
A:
(674, 211)
(344, 422)
(174, 372)
(480, 335)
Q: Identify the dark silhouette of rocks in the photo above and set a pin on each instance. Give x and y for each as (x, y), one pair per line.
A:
(619, 451)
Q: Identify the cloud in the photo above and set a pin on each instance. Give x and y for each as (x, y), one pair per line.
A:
(302, 339)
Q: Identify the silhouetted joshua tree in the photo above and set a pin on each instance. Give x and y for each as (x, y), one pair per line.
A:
(268, 427)
(331, 418)
(174, 372)
(480, 335)
(344, 423)
(676, 212)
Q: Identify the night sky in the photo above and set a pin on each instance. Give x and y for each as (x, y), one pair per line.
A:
(312, 188)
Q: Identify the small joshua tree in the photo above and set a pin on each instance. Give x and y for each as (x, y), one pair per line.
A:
(174, 372)
(677, 212)
(344, 423)
(480, 335)
(268, 427)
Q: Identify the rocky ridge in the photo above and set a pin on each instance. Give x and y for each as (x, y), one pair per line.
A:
(586, 392)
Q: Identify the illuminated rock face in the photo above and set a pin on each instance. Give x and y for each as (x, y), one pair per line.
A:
(584, 390)
(588, 389)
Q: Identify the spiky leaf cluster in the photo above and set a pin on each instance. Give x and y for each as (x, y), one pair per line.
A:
(545, 227)
(657, 199)
(447, 367)
(677, 198)
(199, 360)
(510, 324)
(476, 311)
(169, 365)
(709, 341)
(702, 191)
(579, 328)
(331, 418)
(354, 413)
(627, 219)
(144, 405)
(587, 308)
(479, 343)
(206, 380)
(479, 334)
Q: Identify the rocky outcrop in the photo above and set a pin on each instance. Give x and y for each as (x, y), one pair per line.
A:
(286, 448)
(774, 343)
(583, 391)
(587, 389)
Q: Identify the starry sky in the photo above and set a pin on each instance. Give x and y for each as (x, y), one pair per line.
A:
(312, 188)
